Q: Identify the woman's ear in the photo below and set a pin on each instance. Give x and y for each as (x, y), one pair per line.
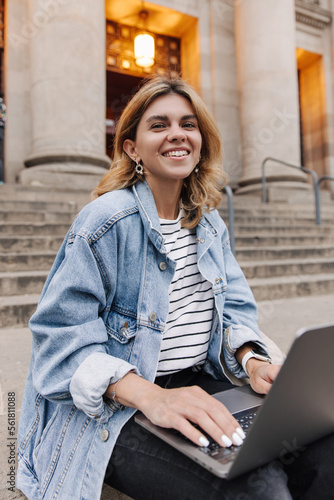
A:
(129, 147)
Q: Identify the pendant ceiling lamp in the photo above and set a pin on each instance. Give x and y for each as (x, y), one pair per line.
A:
(144, 45)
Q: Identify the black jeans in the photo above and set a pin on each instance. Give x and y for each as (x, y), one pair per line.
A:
(145, 468)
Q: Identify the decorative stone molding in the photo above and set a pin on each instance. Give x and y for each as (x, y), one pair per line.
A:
(314, 2)
(311, 21)
(310, 13)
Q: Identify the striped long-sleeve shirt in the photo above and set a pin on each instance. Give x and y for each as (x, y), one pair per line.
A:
(186, 336)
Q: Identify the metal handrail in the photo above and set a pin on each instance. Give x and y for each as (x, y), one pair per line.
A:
(303, 169)
(325, 178)
(229, 193)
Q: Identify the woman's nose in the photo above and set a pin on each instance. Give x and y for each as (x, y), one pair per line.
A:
(176, 134)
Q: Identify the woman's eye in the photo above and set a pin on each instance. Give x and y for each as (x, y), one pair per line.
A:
(189, 125)
(157, 125)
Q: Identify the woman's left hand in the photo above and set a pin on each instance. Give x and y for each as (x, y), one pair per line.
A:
(261, 375)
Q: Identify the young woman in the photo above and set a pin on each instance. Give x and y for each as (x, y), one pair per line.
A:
(145, 308)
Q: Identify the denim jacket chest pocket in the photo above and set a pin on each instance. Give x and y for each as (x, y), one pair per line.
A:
(122, 328)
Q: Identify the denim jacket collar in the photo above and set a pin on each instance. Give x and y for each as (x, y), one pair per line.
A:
(206, 231)
(149, 214)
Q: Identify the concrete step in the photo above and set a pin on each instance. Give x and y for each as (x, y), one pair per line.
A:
(295, 199)
(37, 229)
(40, 261)
(308, 200)
(27, 193)
(16, 310)
(30, 243)
(275, 268)
(278, 221)
(23, 282)
(251, 253)
(286, 229)
(33, 216)
(279, 213)
(259, 240)
(301, 209)
(284, 287)
(44, 206)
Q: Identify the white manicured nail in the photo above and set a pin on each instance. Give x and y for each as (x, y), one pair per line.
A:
(237, 439)
(226, 441)
(203, 441)
(240, 432)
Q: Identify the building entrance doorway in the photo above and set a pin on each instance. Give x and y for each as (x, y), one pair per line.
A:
(124, 73)
(312, 111)
(120, 89)
(176, 52)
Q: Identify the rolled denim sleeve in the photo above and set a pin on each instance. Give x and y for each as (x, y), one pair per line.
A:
(236, 336)
(240, 313)
(71, 363)
(91, 379)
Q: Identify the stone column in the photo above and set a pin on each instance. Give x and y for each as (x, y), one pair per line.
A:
(18, 126)
(68, 96)
(268, 86)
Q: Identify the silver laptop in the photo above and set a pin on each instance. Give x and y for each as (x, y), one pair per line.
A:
(298, 410)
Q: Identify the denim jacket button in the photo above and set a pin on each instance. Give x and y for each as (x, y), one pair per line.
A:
(153, 316)
(162, 266)
(104, 435)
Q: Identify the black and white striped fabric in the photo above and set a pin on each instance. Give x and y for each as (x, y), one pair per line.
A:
(186, 336)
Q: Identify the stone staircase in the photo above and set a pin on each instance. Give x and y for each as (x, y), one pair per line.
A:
(280, 249)
(33, 223)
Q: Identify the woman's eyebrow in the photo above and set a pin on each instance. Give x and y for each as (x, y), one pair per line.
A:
(165, 118)
(189, 117)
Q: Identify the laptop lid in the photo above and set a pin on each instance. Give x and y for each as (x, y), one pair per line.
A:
(298, 410)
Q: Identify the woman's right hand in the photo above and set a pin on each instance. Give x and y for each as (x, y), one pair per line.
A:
(179, 408)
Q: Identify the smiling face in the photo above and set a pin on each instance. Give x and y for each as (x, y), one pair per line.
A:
(168, 141)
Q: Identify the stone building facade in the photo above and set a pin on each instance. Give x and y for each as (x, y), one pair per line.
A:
(264, 67)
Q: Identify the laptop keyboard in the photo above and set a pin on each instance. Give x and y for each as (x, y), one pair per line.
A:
(218, 452)
(224, 455)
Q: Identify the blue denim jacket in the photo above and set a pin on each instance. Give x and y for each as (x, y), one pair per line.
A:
(101, 314)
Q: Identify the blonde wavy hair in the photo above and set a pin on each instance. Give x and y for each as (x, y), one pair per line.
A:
(200, 191)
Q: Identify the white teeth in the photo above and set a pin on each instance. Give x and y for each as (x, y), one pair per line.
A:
(176, 153)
